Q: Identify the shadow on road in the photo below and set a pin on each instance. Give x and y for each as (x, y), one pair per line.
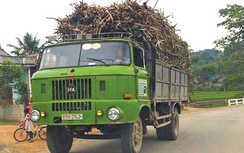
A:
(150, 144)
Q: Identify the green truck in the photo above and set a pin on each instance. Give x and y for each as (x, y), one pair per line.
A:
(83, 83)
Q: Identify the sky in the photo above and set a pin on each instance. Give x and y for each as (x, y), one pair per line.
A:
(196, 19)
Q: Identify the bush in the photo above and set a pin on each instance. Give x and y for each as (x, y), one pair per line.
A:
(22, 90)
(208, 87)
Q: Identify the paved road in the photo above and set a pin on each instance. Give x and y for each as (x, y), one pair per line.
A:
(212, 130)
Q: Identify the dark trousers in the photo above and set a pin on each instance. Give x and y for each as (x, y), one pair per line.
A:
(30, 133)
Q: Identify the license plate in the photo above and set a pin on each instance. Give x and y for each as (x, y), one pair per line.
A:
(72, 117)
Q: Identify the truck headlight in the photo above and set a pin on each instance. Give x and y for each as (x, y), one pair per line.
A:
(35, 116)
(113, 114)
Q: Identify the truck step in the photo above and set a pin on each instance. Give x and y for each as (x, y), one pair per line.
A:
(162, 124)
(163, 117)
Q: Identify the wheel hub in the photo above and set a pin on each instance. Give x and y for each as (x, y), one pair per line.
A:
(137, 134)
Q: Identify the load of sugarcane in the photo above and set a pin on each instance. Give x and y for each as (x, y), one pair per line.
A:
(148, 27)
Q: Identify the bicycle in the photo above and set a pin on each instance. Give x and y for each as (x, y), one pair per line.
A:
(21, 135)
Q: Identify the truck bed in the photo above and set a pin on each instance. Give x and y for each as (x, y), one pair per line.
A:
(171, 84)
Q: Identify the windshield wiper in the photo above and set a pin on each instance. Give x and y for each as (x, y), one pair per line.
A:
(94, 59)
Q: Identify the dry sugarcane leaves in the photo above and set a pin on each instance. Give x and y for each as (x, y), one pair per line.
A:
(149, 27)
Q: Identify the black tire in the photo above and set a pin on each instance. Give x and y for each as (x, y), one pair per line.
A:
(161, 133)
(172, 129)
(59, 140)
(132, 136)
(42, 133)
(20, 135)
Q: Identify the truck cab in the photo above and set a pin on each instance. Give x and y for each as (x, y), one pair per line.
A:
(106, 82)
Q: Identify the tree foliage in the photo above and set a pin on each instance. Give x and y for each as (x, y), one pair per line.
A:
(22, 90)
(233, 70)
(206, 72)
(233, 44)
(227, 67)
(195, 59)
(206, 65)
(9, 74)
(30, 45)
(205, 57)
(233, 23)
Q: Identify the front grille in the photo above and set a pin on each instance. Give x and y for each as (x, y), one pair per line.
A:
(71, 106)
(71, 89)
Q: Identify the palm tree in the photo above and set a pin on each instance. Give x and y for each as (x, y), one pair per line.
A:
(29, 45)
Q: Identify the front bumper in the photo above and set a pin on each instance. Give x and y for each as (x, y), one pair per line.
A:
(87, 113)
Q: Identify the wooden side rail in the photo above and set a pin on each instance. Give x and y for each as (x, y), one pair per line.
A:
(214, 102)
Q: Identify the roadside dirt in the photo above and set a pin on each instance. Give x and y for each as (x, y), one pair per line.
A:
(9, 145)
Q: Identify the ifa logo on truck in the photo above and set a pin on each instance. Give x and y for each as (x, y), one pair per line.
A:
(71, 89)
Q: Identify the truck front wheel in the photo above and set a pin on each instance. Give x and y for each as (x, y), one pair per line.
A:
(59, 139)
(131, 136)
(172, 130)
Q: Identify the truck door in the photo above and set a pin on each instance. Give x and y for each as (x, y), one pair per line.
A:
(142, 80)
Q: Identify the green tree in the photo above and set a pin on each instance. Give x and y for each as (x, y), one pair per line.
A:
(233, 23)
(205, 72)
(9, 73)
(206, 67)
(195, 59)
(22, 90)
(29, 44)
(233, 45)
(233, 71)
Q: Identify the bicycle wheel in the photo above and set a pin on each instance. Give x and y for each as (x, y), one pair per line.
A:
(20, 135)
(42, 133)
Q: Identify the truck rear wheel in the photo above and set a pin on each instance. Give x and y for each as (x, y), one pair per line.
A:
(59, 140)
(131, 136)
(172, 129)
(160, 131)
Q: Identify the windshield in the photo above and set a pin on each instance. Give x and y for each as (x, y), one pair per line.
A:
(101, 53)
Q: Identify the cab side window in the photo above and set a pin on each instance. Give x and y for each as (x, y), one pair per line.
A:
(138, 57)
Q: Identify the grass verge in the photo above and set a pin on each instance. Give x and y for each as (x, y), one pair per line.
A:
(208, 96)
(214, 96)
(8, 122)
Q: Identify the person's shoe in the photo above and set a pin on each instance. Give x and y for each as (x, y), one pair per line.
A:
(30, 141)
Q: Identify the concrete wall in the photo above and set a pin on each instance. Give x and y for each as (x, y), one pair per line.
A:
(11, 112)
